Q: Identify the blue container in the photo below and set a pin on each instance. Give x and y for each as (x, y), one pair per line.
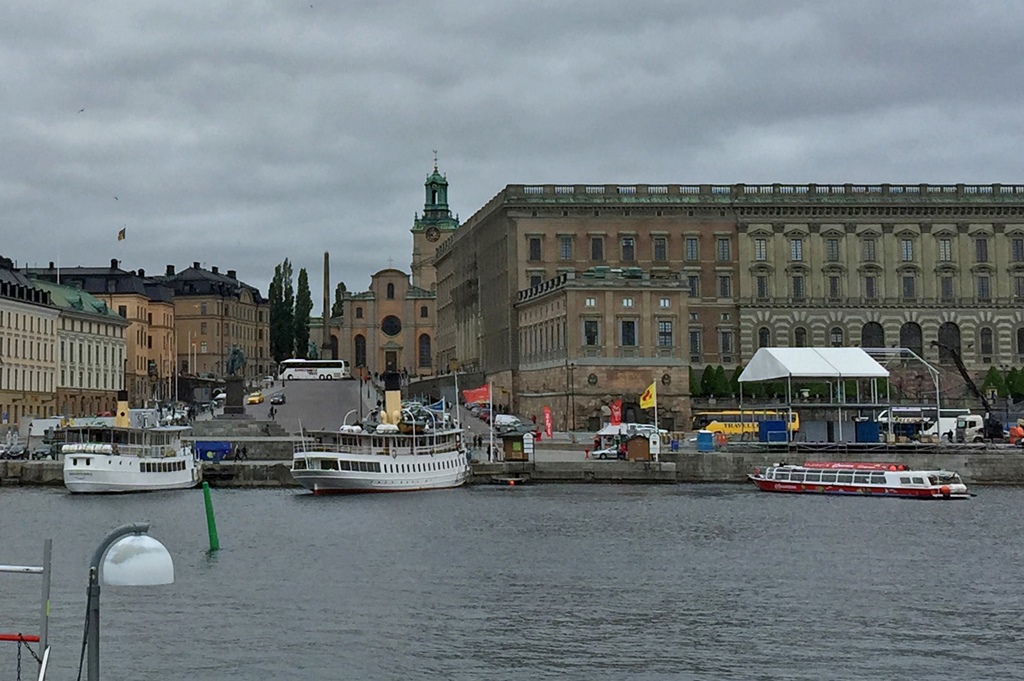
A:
(867, 431)
(675, 445)
(212, 451)
(705, 441)
(771, 431)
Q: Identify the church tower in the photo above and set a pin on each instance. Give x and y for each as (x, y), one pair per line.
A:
(429, 231)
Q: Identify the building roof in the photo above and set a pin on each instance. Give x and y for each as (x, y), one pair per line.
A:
(104, 280)
(197, 281)
(73, 298)
(770, 364)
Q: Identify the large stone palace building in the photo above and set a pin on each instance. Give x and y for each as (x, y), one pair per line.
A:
(627, 284)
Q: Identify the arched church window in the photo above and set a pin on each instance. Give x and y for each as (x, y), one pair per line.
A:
(425, 351)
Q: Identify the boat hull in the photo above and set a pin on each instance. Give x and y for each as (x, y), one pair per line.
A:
(112, 474)
(391, 474)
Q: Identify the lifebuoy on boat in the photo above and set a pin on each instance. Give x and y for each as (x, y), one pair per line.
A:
(944, 490)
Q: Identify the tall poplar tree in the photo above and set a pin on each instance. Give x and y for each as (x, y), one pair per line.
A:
(303, 306)
(282, 303)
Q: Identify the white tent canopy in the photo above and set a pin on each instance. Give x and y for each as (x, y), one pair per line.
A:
(770, 364)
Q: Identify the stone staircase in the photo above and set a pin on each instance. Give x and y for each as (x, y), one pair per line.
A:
(266, 440)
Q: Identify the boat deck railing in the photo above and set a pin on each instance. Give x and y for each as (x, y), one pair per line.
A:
(118, 449)
(423, 448)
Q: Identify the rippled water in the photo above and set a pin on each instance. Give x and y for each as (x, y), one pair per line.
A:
(580, 582)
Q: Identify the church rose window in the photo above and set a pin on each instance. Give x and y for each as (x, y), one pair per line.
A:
(391, 325)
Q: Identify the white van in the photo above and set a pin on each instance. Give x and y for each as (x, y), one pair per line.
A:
(945, 423)
(502, 420)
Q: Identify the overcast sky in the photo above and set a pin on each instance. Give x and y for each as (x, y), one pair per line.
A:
(241, 133)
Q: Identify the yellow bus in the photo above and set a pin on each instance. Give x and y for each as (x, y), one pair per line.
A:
(733, 422)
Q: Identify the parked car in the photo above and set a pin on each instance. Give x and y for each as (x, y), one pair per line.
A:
(277, 398)
(607, 453)
(14, 452)
(254, 398)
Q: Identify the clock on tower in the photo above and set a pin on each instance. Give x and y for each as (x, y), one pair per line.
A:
(433, 233)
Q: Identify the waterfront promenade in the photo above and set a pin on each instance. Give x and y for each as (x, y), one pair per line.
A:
(999, 465)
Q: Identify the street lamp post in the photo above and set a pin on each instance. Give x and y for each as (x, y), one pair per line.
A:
(572, 393)
(136, 560)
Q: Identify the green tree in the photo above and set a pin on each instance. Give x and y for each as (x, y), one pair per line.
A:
(282, 302)
(994, 381)
(707, 382)
(721, 382)
(303, 307)
(1015, 383)
(695, 383)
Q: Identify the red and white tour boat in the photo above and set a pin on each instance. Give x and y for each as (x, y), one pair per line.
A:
(874, 479)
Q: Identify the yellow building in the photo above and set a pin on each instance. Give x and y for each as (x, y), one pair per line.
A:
(28, 358)
(149, 309)
(215, 312)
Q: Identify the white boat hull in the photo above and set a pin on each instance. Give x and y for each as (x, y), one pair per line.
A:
(403, 473)
(108, 473)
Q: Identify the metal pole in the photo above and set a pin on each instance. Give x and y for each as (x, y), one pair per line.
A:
(93, 594)
(44, 627)
(572, 391)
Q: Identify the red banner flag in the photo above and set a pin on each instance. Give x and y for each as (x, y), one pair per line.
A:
(547, 422)
(616, 408)
(479, 395)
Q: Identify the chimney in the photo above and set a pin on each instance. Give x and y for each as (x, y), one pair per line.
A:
(195, 265)
(51, 264)
(170, 270)
(142, 272)
(231, 274)
(113, 263)
(214, 269)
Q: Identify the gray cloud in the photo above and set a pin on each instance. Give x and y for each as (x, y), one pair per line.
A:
(240, 133)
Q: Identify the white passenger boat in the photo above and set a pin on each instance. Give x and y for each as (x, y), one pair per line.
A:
(874, 479)
(120, 458)
(380, 457)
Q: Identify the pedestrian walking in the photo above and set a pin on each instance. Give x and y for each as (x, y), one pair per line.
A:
(245, 453)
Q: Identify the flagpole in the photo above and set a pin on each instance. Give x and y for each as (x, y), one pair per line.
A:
(657, 431)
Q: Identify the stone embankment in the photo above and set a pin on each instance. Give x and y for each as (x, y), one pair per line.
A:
(997, 464)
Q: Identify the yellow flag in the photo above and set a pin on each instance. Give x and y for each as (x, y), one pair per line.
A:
(648, 399)
(122, 234)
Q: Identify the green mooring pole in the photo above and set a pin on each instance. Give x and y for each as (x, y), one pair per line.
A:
(211, 522)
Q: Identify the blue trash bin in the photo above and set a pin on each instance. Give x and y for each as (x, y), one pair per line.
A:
(674, 445)
(705, 441)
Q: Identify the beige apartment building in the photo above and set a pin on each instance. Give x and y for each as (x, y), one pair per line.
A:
(214, 312)
(28, 358)
(149, 309)
(91, 349)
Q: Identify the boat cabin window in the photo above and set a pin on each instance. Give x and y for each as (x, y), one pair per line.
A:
(904, 479)
(878, 478)
(299, 464)
(344, 466)
(829, 478)
(796, 477)
(862, 478)
(844, 477)
(918, 481)
(782, 475)
(812, 477)
(328, 464)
